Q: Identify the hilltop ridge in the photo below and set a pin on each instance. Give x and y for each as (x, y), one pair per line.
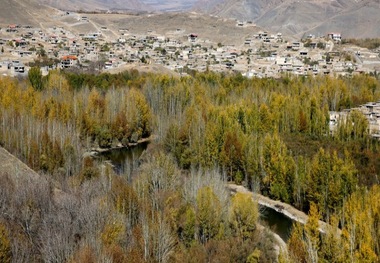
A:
(92, 5)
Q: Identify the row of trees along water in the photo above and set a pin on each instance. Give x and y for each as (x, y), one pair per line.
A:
(269, 134)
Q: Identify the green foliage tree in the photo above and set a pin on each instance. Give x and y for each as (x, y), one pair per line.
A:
(187, 227)
(208, 214)
(330, 181)
(35, 78)
(41, 52)
(254, 257)
(278, 168)
(231, 156)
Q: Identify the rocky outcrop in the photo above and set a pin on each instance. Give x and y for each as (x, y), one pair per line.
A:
(283, 208)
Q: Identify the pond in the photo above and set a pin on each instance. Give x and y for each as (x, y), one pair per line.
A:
(124, 160)
(277, 222)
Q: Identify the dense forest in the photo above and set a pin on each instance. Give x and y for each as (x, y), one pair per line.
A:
(207, 129)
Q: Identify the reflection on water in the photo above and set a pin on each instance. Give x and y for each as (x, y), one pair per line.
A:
(277, 222)
(124, 160)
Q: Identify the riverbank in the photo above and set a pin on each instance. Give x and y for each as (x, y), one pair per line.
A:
(283, 208)
(280, 245)
(96, 151)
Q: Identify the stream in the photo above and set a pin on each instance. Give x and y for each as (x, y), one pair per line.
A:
(277, 222)
(125, 160)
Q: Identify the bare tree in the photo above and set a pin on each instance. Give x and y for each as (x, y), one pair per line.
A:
(164, 241)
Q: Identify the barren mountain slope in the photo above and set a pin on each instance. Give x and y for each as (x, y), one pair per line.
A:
(23, 12)
(353, 18)
(90, 5)
(359, 21)
(179, 24)
(240, 9)
(320, 17)
(169, 5)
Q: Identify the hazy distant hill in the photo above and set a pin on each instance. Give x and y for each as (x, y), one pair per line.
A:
(90, 5)
(353, 18)
(170, 5)
(22, 12)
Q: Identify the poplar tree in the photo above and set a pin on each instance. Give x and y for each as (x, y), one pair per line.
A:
(35, 78)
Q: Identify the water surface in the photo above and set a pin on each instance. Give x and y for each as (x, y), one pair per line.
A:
(124, 160)
(277, 222)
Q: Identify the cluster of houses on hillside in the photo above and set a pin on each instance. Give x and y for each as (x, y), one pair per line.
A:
(261, 54)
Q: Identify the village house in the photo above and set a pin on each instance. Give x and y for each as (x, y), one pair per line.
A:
(296, 46)
(304, 52)
(337, 37)
(240, 23)
(16, 66)
(12, 28)
(68, 61)
(262, 35)
(192, 38)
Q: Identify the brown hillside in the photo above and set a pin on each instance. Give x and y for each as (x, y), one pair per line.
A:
(23, 12)
(351, 18)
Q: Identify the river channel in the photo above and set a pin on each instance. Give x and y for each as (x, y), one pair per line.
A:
(277, 222)
(125, 160)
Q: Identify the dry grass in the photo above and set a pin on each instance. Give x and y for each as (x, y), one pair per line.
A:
(11, 165)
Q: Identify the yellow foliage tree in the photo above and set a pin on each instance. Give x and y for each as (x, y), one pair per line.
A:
(113, 232)
(244, 214)
(5, 245)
